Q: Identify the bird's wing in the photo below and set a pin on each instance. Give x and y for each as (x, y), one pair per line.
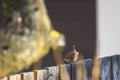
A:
(70, 56)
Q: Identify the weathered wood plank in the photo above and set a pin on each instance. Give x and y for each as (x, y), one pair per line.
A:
(105, 73)
(27, 76)
(73, 71)
(41, 74)
(53, 73)
(82, 70)
(65, 72)
(109, 68)
(78, 71)
(96, 69)
(116, 67)
(15, 77)
(5, 78)
(88, 68)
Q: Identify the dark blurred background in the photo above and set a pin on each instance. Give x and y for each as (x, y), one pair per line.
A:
(76, 19)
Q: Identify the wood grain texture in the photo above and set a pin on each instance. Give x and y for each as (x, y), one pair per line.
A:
(53, 73)
(73, 72)
(116, 67)
(88, 68)
(40, 74)
(65, 72)
(80, 71)
(105, 68)
(15, 77)
(109, 68)
(96, 69)
(27, 76)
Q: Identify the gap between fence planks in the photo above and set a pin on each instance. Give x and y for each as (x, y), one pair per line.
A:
(81, 70)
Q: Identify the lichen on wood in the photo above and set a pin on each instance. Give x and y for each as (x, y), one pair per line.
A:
(26, 34)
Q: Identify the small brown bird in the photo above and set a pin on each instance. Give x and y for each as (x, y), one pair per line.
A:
(71, 56)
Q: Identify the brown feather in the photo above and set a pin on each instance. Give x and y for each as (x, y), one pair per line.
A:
(71, 56)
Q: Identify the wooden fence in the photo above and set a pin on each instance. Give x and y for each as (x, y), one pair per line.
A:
(81, 70)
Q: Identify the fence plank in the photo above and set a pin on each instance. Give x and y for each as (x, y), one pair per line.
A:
(65, 72)
(105, 68)
(53, 73)
(88, 68)
(78, 70)
(15, 77)
(27, 76)
(116, 67)
(73, 71)
(82, 70)
(5, 78)
(41, 74)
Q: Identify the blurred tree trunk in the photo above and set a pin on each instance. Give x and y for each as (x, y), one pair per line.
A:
(26, 34)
